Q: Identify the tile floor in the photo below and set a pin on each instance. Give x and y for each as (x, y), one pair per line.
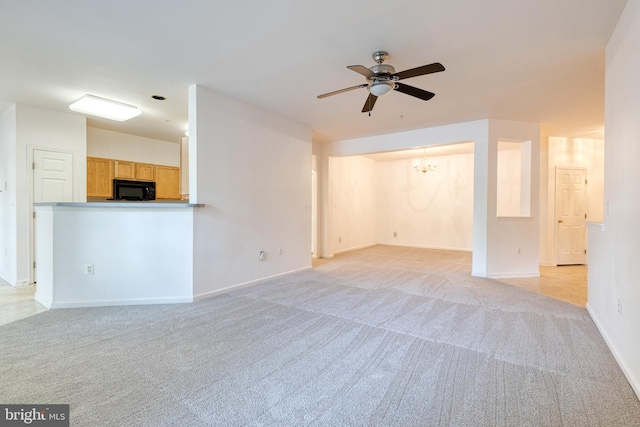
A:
(566, 283)
(17, 302)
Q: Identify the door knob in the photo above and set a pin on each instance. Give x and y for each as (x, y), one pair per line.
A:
(560, 221)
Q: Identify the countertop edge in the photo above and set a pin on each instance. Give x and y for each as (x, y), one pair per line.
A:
(151, 205)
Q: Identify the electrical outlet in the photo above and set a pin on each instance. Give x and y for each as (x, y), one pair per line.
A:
(518, 250)
(619, 307)
(88, 269)
(395, 234)
(262, 256)
(280, 251)
(339, 239)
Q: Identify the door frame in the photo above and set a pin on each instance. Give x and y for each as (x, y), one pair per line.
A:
(31, 211)
(555, 208)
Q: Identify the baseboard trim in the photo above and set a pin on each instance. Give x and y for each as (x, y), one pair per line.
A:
(355, 248)
(633, 381)
(437, 248)
(40, 299)
(17, 284)
(512, 275)
(213, 293)
(112, 303)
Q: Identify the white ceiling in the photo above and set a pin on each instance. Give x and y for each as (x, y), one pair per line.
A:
(539, 61)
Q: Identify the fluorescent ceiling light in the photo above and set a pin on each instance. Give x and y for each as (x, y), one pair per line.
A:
(105, 108)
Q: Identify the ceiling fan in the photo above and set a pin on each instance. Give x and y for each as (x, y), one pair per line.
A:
(382, 79)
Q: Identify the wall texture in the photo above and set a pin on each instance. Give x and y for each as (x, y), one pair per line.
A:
(432, 210)
(614, 288)
(8, 181)
(122, 146)
(353, 200)
(252, 170)
(25, 128)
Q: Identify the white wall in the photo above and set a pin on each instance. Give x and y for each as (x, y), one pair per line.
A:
(511, 242)
(252, 170)
(509, 179)
(571, 152)
(8, 220)
(122, 146)
(26, 128)
(432, 210)
(614, 273)
(353, 202)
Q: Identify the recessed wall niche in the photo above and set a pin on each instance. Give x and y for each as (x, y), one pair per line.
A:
(513, 177)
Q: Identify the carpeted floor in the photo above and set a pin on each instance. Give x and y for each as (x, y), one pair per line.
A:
(381, 336)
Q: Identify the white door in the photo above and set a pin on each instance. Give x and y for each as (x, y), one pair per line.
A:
(52, 173)
(570, 215)
(52, 182)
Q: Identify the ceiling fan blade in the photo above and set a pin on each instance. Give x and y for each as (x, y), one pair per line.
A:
(414, 91)
(342, 90)
(436, 67)
(368, 105)
(362, 70)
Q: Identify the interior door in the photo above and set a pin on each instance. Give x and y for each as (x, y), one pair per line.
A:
(570, 215)
(52, 173)
(52, 182)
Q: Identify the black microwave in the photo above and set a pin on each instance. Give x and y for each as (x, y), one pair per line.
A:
(133, 190)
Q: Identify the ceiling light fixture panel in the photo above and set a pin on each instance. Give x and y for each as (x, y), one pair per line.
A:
(105, 108)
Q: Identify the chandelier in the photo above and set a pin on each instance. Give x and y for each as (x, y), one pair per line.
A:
(425, 165)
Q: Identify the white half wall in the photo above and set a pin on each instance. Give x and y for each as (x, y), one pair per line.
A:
(139, 255)
(122, 146)
(252, 170)
(614, 287)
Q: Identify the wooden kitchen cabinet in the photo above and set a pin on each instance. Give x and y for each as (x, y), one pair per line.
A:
(125, 170)
(167, 182)
(145, 172)
(100, 174)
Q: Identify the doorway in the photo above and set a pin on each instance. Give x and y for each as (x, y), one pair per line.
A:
(52, 181)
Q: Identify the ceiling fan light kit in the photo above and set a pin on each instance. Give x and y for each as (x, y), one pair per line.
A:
(382, 79)
(381, 88)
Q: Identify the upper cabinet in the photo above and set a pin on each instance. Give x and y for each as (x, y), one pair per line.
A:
(133, 170)
(100, 173)
(167, 182)
(125, 170)
(145, 172)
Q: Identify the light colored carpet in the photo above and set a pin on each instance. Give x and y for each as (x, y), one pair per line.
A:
(382, 336)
